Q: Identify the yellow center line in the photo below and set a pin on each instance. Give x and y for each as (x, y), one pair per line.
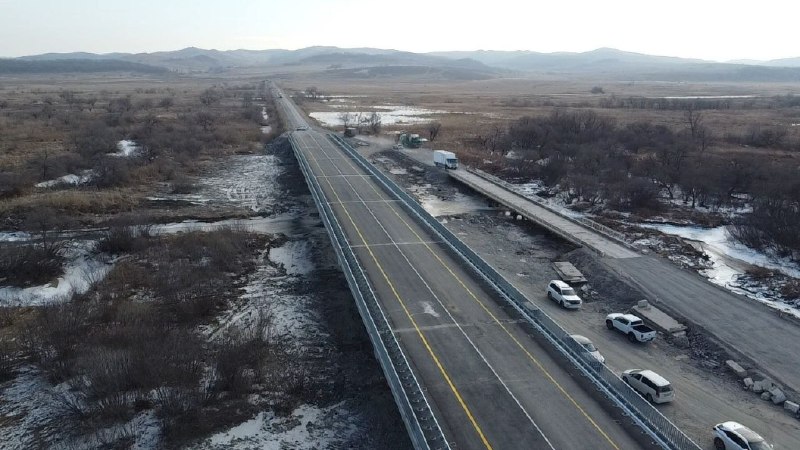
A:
(421, 335)
(503, 327)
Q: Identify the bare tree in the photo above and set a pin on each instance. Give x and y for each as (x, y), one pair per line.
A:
(312, 92)
(374, 123)
(166, 102)
(694, 120)
(210, 97)
(433, 130)
(247, 100)
(346, 118)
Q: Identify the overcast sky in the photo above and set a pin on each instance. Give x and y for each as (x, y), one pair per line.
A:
(707, 29)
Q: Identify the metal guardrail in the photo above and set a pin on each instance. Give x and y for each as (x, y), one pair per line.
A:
(658, 427)
(609, 232)
(422, 426)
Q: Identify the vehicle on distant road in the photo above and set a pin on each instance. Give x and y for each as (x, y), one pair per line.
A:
(443, 158)
(735, 436)
(650, 385)
(588, 346)
(301, 128)
(630, 325)
(561, 293)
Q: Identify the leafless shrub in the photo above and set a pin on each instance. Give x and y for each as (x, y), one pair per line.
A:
(31, 264)
(11, 184)
(124, 239)
(53, 336)
(759, 272)
(791, 290)
(8, 357)
(183, 185)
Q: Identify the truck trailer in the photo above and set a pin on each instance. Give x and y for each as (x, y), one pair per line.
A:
(442, 158)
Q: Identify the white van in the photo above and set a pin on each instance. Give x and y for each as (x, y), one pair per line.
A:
(650, 385)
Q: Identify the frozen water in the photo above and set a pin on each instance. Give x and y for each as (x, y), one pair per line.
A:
(390, 115)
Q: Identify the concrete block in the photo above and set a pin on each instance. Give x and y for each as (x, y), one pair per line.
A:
(778, 396)
(680, 339)
(643, 304)
(765, 395)
(792, 407)
(748, 383)
(758, 386)
(736, 368)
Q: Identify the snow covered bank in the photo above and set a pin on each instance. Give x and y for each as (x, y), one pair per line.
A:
(308, 427)
(82, 269)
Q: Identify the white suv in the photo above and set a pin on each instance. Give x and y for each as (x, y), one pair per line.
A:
(735, 436)
(563, 294)
(650, 385)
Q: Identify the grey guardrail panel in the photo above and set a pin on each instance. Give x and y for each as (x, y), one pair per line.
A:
(645, 415)
(421, 424)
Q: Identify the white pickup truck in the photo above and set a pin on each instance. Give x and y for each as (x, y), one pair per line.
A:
(632, 326)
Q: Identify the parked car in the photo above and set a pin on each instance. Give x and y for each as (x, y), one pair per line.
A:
(630, 325)
(588, 346)
(735, 436)
(301, 128)
(650, 385)
(563, 294)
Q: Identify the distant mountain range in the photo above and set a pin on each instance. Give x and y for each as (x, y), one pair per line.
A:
(372, 62)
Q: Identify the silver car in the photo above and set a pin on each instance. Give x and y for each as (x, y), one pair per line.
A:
(588, 346)
(735, 436)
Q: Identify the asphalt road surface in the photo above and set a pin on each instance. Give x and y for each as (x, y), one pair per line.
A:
(490, 384)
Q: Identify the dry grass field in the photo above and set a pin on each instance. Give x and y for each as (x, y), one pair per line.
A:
(53, 126)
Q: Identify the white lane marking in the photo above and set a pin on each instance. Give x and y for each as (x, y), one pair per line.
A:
(441, 304)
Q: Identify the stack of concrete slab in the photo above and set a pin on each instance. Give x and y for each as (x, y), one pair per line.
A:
(569, 273)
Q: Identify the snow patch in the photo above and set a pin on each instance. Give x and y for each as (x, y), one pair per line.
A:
(294, 256)
(307, 428)
(390, 115)
(27, 405)
(460, 204)
(83, 268)
(85, 177)
(718, 244)
(126, 149)
(14, 236)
